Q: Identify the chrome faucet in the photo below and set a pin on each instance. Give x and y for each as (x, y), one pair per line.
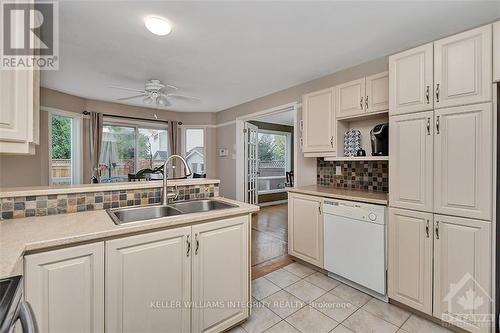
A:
(187, 169)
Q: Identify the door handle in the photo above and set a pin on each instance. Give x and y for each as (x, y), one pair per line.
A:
(366, 102)
(197, 244)
(188, 243)
(437, 92)
(427, 228)
(437, 230)
(428, 125)
(427, 93)
(361, 103)
(437, 125)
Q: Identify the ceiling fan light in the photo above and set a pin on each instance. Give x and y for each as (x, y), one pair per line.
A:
(162, 101)
(147, 100)
(158, 25)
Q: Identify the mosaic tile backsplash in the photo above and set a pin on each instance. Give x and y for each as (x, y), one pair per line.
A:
(17, 207)
(360, 175)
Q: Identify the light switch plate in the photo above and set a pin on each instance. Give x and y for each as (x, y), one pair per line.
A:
(338, 170)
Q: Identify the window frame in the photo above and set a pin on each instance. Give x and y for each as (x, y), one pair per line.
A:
(183, 142)
(76, 143)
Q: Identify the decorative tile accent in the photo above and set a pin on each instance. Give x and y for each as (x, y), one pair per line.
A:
(359, 175)
(17, 207)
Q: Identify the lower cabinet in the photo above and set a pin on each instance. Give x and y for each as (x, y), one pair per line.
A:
(441, 265)
(186, 279)
(305, 228)
(65, 288)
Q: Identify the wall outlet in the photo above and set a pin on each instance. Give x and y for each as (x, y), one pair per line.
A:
(338, 170)
(223, 152)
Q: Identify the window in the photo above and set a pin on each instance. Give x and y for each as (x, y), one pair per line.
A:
(126, 149)
(64, 139)
(194, 149)
(274, 160)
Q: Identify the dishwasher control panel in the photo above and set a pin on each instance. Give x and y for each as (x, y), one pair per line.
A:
(355, 210)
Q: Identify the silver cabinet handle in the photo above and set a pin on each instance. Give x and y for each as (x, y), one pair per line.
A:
(361, 103)
(319, 209)
(331, 141)
(437, 125)
(437, 230)
(427, 228)
(437, 93)
(197, 244)
(428, 125)
(27, 318)
(188, 243)
(427, 94)
(366, 102)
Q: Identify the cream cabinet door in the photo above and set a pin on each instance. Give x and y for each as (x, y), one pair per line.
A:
(462, 68)
(411, 161)
(463, 161)
(411, 80)
(496, 51)
(66, 288)
(410, 258)
(148, 282)
(221, 272)
(377, 92)
(319, 121)
(350, 98)
(462, 271)
(305, 228)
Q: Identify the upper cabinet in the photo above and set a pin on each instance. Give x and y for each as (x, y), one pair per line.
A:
(318, 114)
(377, 92)
(496, 51)
(411, 80)
(462, 68)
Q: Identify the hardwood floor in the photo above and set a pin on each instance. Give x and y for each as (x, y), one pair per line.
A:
(270, 240)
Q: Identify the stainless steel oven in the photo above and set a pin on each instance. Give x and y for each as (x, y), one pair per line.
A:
(14, 311)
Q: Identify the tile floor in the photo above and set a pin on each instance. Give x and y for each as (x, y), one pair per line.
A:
(297, 298)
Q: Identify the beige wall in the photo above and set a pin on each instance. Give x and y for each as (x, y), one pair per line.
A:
(306, 167)
(34, 170)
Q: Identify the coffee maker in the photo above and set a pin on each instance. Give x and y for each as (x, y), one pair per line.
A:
(380, 140)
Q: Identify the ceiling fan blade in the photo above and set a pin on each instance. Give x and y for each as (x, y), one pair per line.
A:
(171, 86)
(131, 97)
(183, 96)
(129, 89)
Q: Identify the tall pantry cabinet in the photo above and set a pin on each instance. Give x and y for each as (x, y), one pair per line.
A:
(441, 178)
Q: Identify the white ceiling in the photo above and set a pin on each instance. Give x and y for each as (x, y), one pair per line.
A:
(228, 53)
(282, 118)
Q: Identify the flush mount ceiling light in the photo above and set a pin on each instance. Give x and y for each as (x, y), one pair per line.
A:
(158, 25)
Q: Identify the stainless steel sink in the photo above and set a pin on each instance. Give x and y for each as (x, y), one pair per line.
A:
(136, 214)
(202, 205)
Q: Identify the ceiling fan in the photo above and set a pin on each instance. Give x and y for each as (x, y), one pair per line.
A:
(154, 92)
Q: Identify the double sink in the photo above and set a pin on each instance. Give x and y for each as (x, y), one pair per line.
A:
(136, 214)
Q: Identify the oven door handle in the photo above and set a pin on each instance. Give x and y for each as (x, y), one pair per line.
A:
(27, 318)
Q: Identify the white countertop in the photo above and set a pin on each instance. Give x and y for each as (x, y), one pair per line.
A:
(379, 198)
(19, 236)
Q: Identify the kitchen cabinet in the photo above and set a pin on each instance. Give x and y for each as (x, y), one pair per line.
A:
(305, 228)
(19, 111)
(463, 161)
(411, 161)
(148, 282)
(496, 51)
(462, 263)
(220, 274)
(65, 288)
(410, 258)
(462, 68)
(411, 80)
(377, 92)
(350, 98)
(318, 115)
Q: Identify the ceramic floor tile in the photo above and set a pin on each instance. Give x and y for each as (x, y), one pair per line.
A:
(237, 329)
(308, 320)
(262, 288)
(417, 324)
(282, 327)
(364, 322)
(306, 291)
(334, 307)
(386, 311)
(283, 303)
(260, 320)
(341, 329)
(323, 281)
(282, 278)
(300, 270)
(352, 295)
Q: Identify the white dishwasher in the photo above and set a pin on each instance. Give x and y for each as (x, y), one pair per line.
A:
(355, 244)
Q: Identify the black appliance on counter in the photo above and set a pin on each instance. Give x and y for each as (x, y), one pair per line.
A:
(379, 136)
